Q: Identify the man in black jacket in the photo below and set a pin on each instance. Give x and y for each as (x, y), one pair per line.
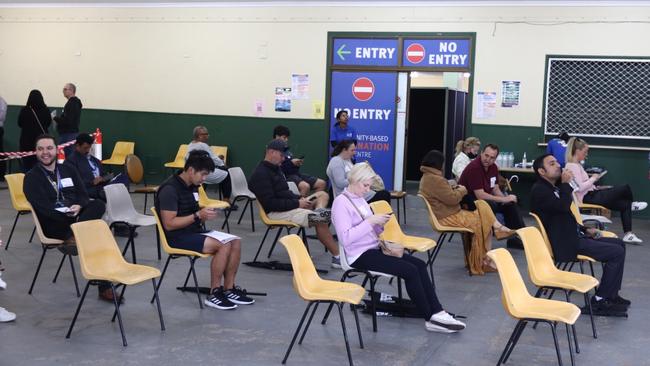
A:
(68, 122)
(59, 199)
(270, 187)
(551, 198)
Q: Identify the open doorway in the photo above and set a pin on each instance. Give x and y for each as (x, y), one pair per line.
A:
(436, 118)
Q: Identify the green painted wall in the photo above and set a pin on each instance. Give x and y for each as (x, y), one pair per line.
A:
(158, 135)
(623, 167)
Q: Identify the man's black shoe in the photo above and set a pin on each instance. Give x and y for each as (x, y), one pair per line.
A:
(621, 301)
(606, 305)
(515, 243)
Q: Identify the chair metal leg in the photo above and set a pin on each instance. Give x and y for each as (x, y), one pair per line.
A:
(591, 315)
(11, 233)
(568, 336)
(243, 211)
(304, 331)
(120, 303)
(404, 206)
(59, 269)
(38, 269)
(158, 242)
(196, 283)
(161, 278)
(507, 348)
(31, 237)
(345, 333)
(74, 275)
(252, 220)
(275, 241)
(144, 209)
(373, 301)
(517, 335)
(268, 228)
(303, 233)
(187, 278)
(575, 337)
(356, 320)
(119, 317)
(155, 295)
(74, 319)
(557, 346)
(132, 237)
(295, 335)
(398, 211)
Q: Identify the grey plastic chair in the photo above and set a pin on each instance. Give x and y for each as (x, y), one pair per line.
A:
(240, 191)
(120, 210)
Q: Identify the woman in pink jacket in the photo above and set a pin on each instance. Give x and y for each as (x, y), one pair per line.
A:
(358, 231)
(618, 198)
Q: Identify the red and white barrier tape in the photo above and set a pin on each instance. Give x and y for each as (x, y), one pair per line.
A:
(22, 154)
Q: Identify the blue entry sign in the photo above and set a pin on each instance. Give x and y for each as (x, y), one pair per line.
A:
(364, 52)
(436, 53)
(369, 99)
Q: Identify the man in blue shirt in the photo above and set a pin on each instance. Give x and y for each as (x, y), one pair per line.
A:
(557, 147)
(342, 130)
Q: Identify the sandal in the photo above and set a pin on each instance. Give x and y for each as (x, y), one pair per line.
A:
(502, 232)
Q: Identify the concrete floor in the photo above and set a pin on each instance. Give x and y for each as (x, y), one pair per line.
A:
(259, 334)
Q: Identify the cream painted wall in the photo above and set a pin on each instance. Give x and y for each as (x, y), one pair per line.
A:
(217, 60)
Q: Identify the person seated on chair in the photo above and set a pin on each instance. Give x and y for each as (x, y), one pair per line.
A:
(618, 198)
(339, 167)
(177, 203)
(90, 169)
(445, 201)
(291, 166)
(270, 186)
(358, 229)
(59, 199)
(466, 151)
(480, 177)
(342, 129)
(219, 175)
(551, 198)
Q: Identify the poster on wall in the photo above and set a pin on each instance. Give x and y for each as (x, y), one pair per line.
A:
(370, 100)
(510, 93)
(317, 109)
(486, 105)
(300, 86)
(258, 108)
(282, 99)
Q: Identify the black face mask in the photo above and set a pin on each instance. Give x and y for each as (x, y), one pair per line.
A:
(471, 155)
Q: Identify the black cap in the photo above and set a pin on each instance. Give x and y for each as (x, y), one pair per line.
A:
(278, 145)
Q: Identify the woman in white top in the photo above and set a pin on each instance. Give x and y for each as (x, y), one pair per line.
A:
(339, 167)
(618, 198)
(466, 151)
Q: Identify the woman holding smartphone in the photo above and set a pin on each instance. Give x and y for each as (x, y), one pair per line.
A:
(617, 198)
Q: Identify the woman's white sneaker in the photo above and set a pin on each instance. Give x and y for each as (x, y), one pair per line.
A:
(442, 322)
(639, 205)
(6, 316)
(630, 238)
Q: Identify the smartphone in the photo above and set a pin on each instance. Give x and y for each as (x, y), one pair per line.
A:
(603, 173)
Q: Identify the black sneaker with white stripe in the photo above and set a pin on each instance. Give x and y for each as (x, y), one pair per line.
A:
(218, 300)
(238, 296)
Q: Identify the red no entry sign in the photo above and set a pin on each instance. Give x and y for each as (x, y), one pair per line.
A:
(363, 89)
(415, 53)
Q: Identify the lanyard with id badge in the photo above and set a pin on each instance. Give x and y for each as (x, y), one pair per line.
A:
(58, 186)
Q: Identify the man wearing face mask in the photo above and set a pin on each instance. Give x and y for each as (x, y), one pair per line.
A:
(466, 151)
(59, 199)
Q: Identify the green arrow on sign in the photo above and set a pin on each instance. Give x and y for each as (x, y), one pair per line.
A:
(340, 52)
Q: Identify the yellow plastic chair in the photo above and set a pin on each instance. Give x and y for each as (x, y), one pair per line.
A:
(135, 171)
(18, 201)
(578, 217)
(179, 161)
(173, 253)
(519, 304)
(399, 196)
(310, 287)
(100, 260)
(276, 224)
(592, 208)
(48, 244)
(444, 230)
(545, 275)
(120, 152)
(205, 201)
(221, 152)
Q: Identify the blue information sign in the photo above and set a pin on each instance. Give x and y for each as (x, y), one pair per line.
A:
(369, 99)
(436, 53)
(364, 52)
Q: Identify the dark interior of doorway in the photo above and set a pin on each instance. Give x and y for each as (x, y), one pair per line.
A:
(436, 120)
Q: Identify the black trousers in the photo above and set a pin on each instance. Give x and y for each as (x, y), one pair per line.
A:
(611, 252)
(412, 270)
(61, 229)
(382, 195)
(617, 198)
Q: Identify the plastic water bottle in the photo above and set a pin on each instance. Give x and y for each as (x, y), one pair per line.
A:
(511, 160)
(523, 161)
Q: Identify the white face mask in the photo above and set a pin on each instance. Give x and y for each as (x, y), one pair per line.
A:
(582, 162)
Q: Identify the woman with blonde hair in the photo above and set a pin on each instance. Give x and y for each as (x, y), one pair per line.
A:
(358, 231)
(445, 203)
(466, 151)
(617, 198)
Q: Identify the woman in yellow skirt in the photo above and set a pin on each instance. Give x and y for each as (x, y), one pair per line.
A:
(445, 199)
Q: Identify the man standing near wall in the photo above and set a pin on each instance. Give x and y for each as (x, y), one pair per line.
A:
(481, 179)
(68, 122)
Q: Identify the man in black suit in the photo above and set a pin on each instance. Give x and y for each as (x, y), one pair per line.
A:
(551, 198)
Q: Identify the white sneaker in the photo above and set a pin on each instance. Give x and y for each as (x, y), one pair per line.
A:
(6, 316)
(442, 322)
(3, 284)
(630, 238)
(639, 205)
